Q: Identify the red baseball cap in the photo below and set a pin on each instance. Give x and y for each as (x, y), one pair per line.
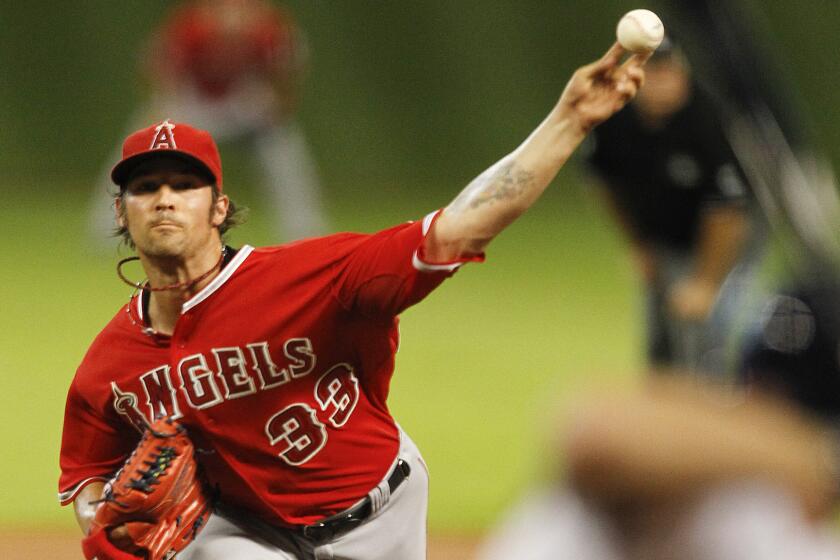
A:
(171, 139)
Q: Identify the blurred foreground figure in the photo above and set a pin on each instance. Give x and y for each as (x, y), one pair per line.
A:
(234, 68)
(674, 186)
(676, 470)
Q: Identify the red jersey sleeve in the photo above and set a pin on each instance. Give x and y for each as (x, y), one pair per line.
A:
(386, 272)
(91, 448)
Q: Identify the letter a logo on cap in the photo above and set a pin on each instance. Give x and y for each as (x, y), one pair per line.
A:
(164, 137)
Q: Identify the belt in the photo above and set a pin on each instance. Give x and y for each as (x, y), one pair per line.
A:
(342, 522)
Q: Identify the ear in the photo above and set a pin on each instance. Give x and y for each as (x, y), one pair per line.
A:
(119, 213)
(220, 209)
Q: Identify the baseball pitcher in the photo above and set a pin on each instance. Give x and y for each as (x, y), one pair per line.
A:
(275, 362)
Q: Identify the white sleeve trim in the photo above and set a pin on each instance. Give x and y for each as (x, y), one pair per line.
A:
(70, 495)
(422, 266)
(427, 221)
(428, 267)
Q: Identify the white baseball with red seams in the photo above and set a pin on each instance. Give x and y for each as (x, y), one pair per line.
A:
(640, 31)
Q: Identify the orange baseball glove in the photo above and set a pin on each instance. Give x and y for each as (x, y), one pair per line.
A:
(158, 496)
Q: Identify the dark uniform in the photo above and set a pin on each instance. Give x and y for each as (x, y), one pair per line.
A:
(662, 181)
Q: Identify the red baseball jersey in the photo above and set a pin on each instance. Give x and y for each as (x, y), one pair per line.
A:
(214, 45)
(279, 369)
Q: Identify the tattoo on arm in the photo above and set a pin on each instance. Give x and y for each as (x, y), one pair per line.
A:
(507, 182)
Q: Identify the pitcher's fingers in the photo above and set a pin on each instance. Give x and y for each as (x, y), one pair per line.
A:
(636, 74)
(609, 61)
(627, 88)
(638, 59)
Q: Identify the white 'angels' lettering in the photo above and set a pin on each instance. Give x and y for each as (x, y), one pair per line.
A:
(269, 375)
(230, 365)
(237, 372)
(198, 383)
(160, 394)
(302, 359)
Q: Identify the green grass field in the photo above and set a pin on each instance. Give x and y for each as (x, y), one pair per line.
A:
(483, 361)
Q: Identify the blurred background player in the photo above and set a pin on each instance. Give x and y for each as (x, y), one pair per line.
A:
(234, 68)
(673, 184)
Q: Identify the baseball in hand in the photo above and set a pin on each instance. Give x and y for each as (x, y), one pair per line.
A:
(640, 31)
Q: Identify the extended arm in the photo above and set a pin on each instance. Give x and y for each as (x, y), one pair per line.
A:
(504, 191)
(722, 234)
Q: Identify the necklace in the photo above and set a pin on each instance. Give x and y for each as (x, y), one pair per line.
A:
(178, 285)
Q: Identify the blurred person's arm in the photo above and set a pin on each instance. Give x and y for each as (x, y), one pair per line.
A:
(723, 232)
(507, 189)
(676, 439)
